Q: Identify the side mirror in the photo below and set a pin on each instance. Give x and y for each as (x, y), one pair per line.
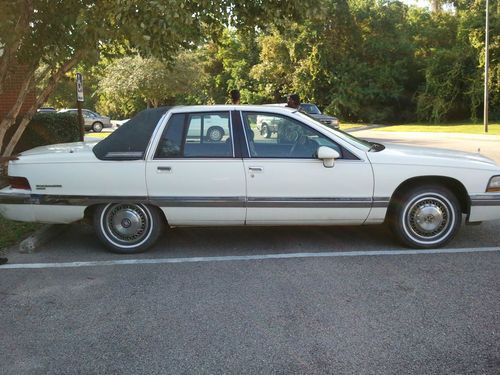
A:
(328, 155)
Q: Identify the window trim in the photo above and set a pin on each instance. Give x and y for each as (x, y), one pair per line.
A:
(243, 124)
(184, 136)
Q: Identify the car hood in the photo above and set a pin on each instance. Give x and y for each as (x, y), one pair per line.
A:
(62, 152)
(411, 155)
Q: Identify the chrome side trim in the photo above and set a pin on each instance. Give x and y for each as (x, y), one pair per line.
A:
(198, 201)
(15, 198)
(127, 154)
(318, 202)
(83, 200)
(238, 201)
(381, 202)
(485, 199)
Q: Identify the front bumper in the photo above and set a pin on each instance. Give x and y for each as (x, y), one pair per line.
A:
(484, 207)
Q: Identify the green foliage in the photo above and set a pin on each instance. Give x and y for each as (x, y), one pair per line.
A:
(131, 83)
(361, 60)
(49, 128)
(454, 70)
(64, 95)
(15, 231)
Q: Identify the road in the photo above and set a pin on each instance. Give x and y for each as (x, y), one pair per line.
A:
(487, 145)
(315, 300)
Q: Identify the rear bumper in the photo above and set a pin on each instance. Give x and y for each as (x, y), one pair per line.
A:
(23, 206)
(484, 207)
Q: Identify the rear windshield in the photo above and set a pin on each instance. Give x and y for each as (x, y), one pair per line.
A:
(129, 141)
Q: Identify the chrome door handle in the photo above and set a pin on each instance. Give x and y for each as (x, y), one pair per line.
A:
(164, 169)
(256, 169)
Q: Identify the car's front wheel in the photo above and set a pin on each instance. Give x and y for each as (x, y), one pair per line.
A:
(425, 217)
(128, 228)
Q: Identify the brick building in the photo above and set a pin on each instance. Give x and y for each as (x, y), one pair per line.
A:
(11, 90)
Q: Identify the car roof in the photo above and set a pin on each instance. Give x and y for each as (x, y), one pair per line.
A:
(232, 107)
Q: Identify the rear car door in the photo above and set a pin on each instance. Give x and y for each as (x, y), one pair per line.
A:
(194, 174)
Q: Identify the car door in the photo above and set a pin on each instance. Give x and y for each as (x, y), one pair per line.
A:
(195, 179)
(88, 118)
(287, 184)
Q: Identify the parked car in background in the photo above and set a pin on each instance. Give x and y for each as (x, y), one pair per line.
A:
(212, 128)
(46, 110)
(313, 111)
(267, 125)
(92, 120)
(119, 123)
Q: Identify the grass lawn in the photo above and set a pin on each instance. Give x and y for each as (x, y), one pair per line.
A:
(347, 125)
(465, 128)
(14, 231)
(97, 135)
(458, 127)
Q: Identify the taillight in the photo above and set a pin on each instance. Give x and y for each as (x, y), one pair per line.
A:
(19, 183)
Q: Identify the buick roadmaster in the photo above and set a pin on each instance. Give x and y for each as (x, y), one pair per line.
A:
(163, 168)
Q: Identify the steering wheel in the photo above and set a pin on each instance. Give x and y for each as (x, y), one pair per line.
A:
(301, 140)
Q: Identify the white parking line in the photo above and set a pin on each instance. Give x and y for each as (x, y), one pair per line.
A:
(247, 257)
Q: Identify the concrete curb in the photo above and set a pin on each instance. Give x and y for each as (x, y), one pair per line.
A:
(40, 237)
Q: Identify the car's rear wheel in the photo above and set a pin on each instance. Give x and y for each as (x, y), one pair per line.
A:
(215, 133)
(97, 127)
(128, 228)
(425, 217)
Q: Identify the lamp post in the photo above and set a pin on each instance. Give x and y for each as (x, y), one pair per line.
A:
(486, 66)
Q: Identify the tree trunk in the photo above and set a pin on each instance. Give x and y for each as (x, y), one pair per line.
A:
(436, 5)
(10, 117)
(10, 50)
(47, 91)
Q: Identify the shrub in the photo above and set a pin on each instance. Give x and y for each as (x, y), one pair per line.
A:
(47, 128)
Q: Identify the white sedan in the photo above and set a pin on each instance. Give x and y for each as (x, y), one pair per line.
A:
(161, 168)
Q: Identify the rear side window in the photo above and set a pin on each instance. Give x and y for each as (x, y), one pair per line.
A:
(196, 135)
(130, 141)
(171, 139)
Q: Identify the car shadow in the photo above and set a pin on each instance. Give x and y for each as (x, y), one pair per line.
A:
(79, 242)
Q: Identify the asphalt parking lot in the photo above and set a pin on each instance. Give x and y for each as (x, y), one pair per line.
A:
(298, 300)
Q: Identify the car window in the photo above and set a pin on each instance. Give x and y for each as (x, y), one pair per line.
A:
(276, 136)
(310, 108)
(171, 139)
(196, 135)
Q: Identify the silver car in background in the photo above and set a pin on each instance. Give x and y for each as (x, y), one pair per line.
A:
(92, 120)
(313, 111)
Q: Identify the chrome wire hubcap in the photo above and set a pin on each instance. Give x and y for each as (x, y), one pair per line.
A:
(127, 223)
(215, 135)
(428, 217)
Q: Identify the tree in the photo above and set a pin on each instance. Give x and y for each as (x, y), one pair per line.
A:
(62, 33)
(131, 83)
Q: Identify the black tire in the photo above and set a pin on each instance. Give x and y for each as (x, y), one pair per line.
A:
(128, 228)
(215, 133)
(97, 126)
(425, 217)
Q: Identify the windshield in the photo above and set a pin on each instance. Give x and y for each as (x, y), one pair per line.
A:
(359, 143)
(310, 108)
